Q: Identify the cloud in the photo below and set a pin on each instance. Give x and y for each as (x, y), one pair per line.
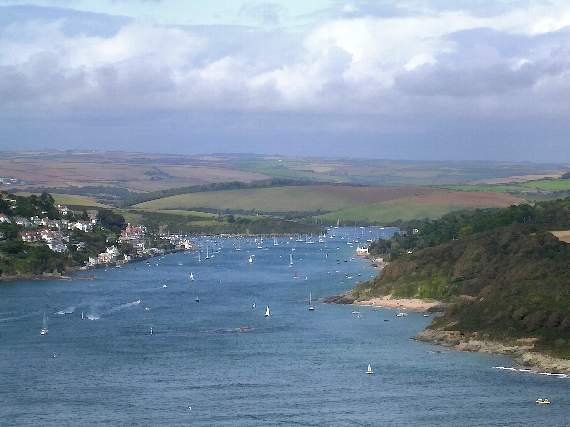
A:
(369, 70)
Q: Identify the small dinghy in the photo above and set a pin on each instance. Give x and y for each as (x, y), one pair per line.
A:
(267, 312)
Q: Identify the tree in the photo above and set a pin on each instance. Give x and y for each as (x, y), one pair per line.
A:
(111, 220)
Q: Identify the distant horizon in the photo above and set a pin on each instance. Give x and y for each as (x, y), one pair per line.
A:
(275, 154)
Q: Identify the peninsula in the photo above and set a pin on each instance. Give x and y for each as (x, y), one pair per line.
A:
(499, 277)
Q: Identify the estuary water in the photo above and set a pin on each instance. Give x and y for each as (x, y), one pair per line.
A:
(219, 361)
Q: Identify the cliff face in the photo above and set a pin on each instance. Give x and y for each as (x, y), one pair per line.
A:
(507, 283)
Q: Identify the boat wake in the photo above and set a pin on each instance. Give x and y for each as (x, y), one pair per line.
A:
(125, 306)
(529, 371)
(92, 317)
(68, 310)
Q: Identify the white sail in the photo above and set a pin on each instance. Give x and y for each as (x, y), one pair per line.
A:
(267, 312)
(250, 260)
(369, 370)
(191, 277)
(290, 259)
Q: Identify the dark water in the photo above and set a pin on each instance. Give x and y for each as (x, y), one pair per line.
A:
(294, 368)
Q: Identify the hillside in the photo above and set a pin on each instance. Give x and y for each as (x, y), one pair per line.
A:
(501, 272)
(364, 204)
(508, 283)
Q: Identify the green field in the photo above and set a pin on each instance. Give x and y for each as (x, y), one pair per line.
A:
(387, 212)
(515, 187)
(275, 199)
(548, 184)
(328, 203)
(495, 188)
(72, 200)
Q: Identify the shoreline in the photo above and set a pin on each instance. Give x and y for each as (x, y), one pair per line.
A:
(64, 275)
(521, 350)
(411, 304)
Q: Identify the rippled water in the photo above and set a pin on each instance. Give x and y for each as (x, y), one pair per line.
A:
(231, 365)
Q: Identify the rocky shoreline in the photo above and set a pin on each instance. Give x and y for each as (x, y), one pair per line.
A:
(520, 350)
(411, 304)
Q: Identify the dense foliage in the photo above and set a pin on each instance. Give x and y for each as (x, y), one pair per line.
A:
(549, 215)
(501, 272)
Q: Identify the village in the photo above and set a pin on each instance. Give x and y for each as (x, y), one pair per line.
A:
(84, 238)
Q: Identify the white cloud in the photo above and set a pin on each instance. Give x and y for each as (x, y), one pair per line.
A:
(396, 66)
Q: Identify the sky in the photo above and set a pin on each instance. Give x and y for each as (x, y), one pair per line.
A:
(409, 79)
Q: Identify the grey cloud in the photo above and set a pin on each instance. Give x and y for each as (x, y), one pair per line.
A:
(485, 63)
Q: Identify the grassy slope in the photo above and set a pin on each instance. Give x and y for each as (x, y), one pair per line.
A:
(308, 198)
(549, 184)
(427, 206)
(72, 200)
(349, 203)
(279, 199)
(387, 212)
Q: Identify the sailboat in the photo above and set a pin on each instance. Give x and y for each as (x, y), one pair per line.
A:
(82, 316)
(250, 260)
(207, 252)
(197, 299)
(369, 370)
(311, 306)
(275, 242)
(267, 312)
(150, 331)
(191, 276)
(44, 330)
(253, 306)
(290, 260)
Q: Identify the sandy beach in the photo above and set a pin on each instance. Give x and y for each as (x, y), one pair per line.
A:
(412, 304)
